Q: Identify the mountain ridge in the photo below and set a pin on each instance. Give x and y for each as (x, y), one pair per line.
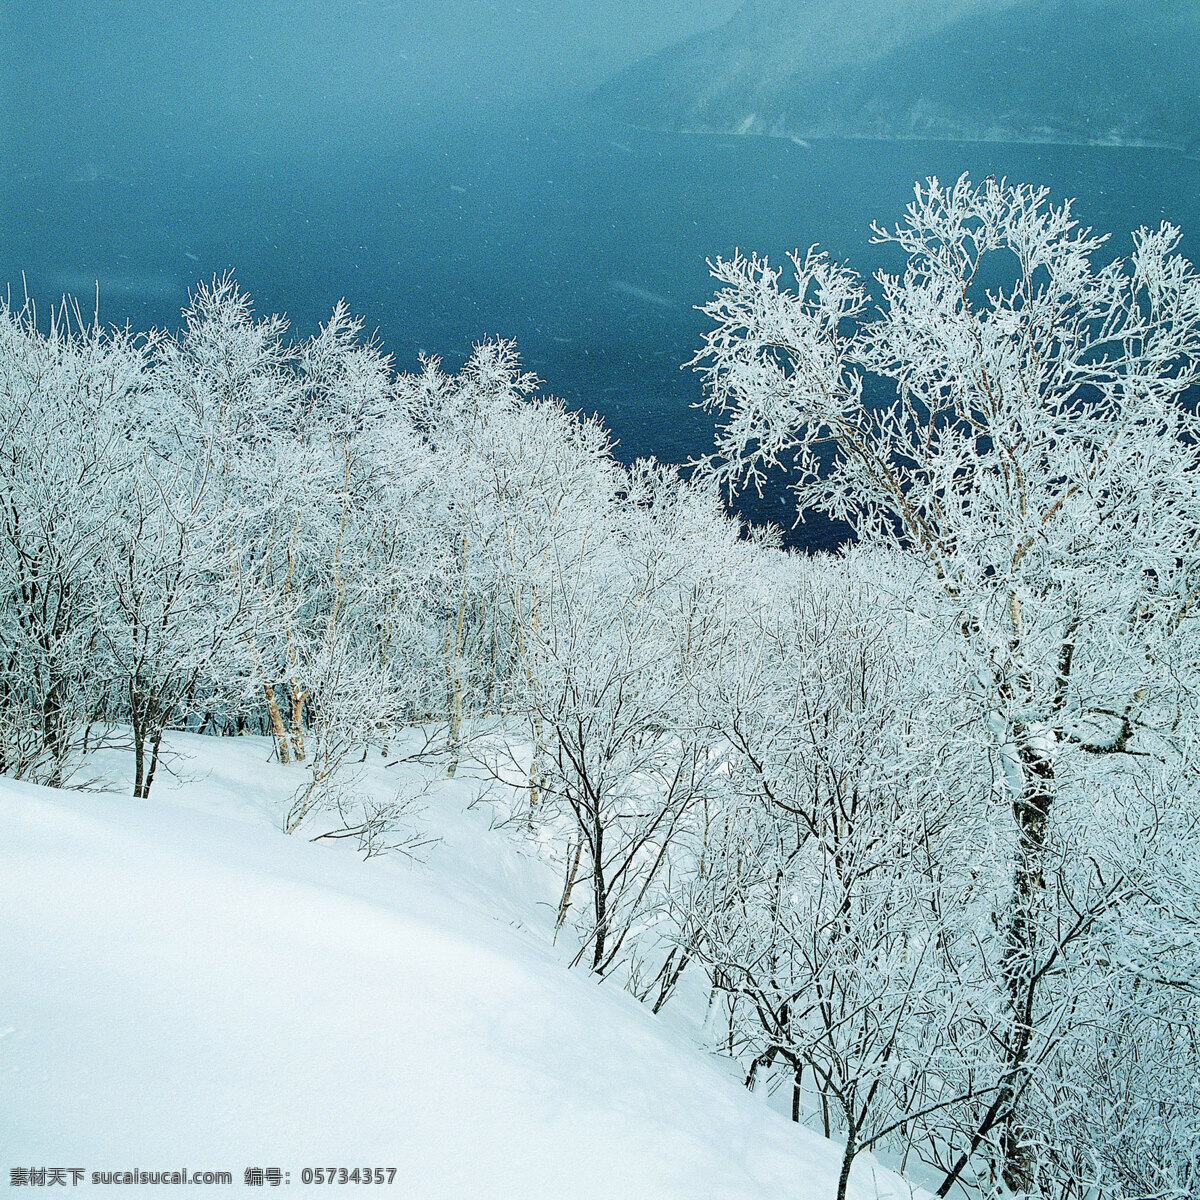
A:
(1092, 72)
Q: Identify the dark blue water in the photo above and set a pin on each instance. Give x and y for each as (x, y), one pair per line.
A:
(586, 242)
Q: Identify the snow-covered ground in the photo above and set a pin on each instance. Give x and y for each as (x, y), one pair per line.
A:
(182, 985)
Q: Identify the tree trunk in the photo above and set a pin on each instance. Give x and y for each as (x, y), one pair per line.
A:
(569, 885)
(139, 756)
(300, 807)
(535, 770)
(454, 641)
(54, 736)
(454, 694)
(298, 697)
(668, 984)
(599, 896)
(847, 1157)
(277, 730)
(456, 718)
(1032, 814)
(155, 743)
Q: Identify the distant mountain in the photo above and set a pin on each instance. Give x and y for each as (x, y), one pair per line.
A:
(1098, 72)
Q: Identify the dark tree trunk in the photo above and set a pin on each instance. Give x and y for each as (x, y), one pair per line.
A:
(847, 1158)
(599, 897)
(1031, 811)
(1032, 814)
(54, 727)
(155, 743)
(139, 758)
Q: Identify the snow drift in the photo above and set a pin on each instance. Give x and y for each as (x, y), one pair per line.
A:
(184, 986)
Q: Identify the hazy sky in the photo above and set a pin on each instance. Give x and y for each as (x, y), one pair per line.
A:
(124, 75)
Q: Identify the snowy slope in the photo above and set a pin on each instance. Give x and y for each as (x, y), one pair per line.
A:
(183, 985)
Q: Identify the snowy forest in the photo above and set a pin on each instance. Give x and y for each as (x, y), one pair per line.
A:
(920, 819)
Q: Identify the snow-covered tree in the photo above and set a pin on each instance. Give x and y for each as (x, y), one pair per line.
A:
(1030, 444)
(172, 619)
(67, 398)
(615, 659)
(312, 465)
(836, 902)
(520, 487)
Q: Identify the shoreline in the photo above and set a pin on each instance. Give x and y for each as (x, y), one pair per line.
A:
(807, 139)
